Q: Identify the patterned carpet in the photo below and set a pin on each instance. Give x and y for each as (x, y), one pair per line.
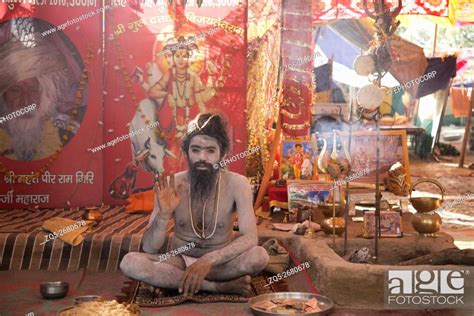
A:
(102, 249)
(146, 295)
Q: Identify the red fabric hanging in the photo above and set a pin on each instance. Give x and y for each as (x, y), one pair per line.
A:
(325, 10)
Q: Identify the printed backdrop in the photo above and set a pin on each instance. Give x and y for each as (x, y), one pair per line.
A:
(165, 64)
(162, 65)
(59, 71)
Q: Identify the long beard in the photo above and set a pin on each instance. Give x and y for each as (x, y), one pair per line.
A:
(26, 132)
(202, 181)
(25, 136)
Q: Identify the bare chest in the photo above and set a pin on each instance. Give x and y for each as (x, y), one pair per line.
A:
(211, 218)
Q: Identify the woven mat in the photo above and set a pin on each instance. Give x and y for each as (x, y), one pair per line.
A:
(140, 293)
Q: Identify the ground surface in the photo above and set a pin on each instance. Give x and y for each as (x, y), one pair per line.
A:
(19, 295)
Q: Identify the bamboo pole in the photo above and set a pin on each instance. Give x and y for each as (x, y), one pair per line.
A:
(435, 39)
(440, 124)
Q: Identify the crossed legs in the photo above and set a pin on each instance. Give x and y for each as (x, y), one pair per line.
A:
(230, 277)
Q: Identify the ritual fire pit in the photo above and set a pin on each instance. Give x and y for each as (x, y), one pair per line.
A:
(360, 285)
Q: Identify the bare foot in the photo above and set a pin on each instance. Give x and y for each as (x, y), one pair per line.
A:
(239, 286)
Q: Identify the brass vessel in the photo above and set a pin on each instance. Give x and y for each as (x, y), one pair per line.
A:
(92, 214)
(326, 209)
(426, 221)
(337, 222)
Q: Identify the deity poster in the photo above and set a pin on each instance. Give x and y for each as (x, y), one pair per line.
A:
(165, 64)
(50, 103)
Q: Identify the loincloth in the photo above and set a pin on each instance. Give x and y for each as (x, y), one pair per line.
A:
(188, 260)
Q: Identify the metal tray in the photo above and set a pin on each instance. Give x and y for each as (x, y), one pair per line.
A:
(324, 303)
(71, 307)
(86, 298)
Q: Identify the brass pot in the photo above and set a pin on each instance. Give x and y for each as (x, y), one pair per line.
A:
(426, 221)
(326, 209)
(427, 224)
(327, 225)
(425, 204)
(94, 215)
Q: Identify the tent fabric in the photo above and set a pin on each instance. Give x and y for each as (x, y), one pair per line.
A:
(323, 77)
(460, 102)
(397, 103)
(330, 45)
(409, 62)
(324, 10)
(445, 69)
(461, 12)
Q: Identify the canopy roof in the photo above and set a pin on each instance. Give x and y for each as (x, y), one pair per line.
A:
(347, 38)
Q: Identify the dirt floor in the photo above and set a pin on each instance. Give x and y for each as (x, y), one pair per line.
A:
(19, 295)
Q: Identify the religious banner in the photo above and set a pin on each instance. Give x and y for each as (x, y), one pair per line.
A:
(297, 66)
(165, 64)
(324, 10)
(50, 68)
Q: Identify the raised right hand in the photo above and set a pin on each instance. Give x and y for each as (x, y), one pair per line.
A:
(167, 196)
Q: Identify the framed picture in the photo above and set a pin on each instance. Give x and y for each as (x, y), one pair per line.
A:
(303, 195)
(297, 161)
(390, 223)
(393, 148)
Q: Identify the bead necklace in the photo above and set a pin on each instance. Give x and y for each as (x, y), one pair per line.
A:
(203, 235)
(179, 97)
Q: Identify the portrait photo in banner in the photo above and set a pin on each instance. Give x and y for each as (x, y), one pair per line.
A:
(166, 64)
(49, 106)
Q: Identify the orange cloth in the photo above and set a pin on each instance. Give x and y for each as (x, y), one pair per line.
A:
(460, 102)
(141, 202)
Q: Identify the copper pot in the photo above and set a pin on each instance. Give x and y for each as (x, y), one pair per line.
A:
(94, 215)
(426, 221)
(327, 225)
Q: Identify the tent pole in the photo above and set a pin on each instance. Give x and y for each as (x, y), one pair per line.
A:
(435, 39)
(467, 130)
(440, 123)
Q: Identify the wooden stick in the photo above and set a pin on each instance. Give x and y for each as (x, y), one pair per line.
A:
(269, 168)
(467, 131)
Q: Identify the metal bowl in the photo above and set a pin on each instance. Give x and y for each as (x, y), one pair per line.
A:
(324, 303)
(86, 298)
(326, 209)
(52, 290)
(425, 204)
